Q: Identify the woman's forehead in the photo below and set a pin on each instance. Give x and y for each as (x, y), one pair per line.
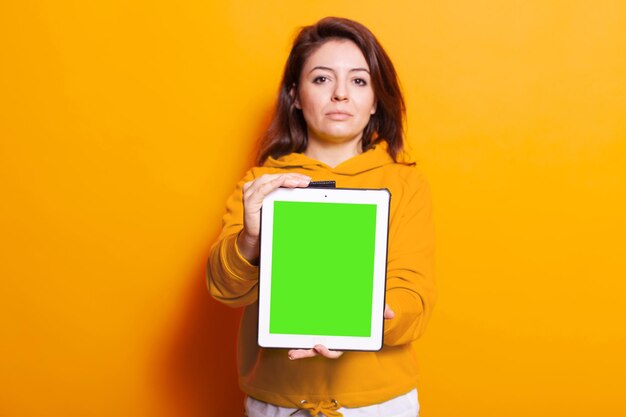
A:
(337, 54)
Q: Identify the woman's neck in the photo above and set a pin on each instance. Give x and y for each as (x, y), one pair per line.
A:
(331, 153)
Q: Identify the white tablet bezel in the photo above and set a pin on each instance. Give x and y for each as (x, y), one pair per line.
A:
(379, 197)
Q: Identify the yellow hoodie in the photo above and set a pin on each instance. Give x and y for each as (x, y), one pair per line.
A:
(356, 379)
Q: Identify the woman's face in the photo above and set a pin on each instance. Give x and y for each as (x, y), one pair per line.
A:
(335, 93)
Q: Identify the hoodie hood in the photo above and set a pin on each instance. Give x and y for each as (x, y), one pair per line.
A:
(373, 158)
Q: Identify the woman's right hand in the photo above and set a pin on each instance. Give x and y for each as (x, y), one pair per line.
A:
(253, 194)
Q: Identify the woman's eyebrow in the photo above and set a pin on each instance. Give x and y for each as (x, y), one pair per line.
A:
(320, 67)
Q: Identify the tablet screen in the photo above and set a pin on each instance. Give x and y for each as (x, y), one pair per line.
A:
(328, 291)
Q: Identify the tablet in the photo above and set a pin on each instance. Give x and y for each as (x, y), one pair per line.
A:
(323, 267)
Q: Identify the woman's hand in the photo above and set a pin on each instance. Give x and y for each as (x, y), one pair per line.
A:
(323, 350)
(253, 194)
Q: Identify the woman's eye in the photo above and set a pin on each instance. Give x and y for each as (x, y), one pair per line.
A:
(319, 80)
(360, 81)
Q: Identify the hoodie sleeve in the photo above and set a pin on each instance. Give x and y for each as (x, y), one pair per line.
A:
(231, 279)
(410, 281)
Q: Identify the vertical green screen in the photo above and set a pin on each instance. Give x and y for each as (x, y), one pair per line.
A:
(322, 268)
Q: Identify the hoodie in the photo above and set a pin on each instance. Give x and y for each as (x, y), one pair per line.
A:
(356, 379)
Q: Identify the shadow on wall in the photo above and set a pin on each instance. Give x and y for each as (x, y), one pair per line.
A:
(199, 371)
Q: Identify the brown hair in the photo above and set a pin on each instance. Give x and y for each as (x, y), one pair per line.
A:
(287, 132)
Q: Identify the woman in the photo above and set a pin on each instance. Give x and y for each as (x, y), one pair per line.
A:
(339, 117)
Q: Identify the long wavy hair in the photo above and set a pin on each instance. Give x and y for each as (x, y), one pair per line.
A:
(287, 131)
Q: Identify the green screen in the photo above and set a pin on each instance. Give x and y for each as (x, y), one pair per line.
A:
(322, 268)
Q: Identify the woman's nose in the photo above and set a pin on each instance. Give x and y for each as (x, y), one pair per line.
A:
(340, 94)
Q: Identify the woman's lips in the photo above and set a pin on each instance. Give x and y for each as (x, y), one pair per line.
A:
(338, 115)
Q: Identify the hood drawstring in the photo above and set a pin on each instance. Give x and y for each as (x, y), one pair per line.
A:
(326, 408)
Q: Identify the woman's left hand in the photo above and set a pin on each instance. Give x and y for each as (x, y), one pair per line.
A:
(321, 350)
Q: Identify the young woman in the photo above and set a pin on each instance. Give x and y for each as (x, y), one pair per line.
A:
(339, 117)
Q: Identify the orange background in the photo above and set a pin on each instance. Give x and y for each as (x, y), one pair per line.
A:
(124, 125)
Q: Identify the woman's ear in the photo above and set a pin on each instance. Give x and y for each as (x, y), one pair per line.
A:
(294, 95)
(374, 107)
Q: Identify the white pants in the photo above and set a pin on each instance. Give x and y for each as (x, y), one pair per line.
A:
(406, 405)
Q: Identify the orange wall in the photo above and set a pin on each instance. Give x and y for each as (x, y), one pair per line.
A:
(125, 125)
